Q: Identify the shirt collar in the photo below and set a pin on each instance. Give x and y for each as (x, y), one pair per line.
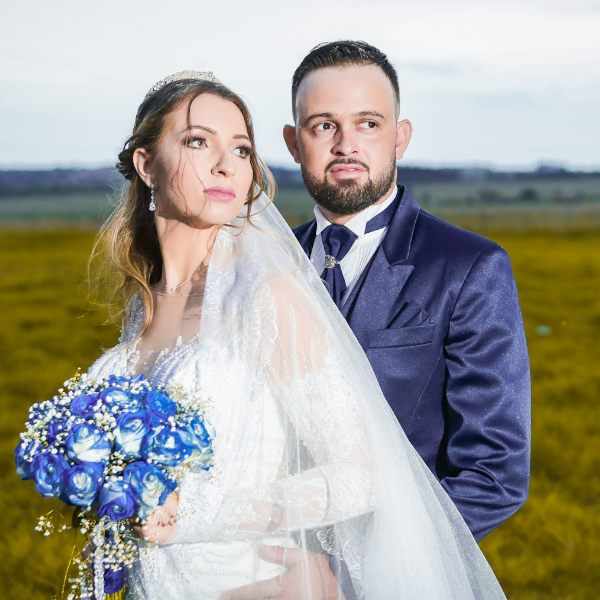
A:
(358, 222)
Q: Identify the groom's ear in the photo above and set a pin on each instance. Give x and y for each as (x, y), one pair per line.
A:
(291, 141)
(403, 135)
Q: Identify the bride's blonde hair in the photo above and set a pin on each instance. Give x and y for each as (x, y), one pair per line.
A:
(126, 257)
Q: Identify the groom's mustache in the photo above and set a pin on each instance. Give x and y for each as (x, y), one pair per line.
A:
(346, 161)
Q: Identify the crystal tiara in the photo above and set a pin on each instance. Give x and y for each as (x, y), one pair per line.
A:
(200, 75)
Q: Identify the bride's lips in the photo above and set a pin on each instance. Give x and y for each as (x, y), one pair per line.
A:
(347, 170)
(224, 194)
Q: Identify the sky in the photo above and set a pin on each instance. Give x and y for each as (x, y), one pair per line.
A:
(487, 83)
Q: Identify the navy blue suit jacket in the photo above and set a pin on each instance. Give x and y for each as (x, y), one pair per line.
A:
(437, 313)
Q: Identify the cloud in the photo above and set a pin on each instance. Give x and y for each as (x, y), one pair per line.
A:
(79, 70)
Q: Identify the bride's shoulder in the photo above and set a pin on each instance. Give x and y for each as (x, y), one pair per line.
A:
(114, 360)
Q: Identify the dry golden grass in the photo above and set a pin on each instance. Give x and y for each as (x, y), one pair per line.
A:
(549, 549)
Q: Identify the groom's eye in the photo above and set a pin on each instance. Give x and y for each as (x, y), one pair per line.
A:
(324, 126)
(368, 124)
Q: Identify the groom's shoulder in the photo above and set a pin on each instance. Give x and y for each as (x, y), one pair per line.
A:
(303, 229)
(459, 251)
(450, 238)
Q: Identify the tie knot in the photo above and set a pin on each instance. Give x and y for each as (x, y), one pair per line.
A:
(337, 241)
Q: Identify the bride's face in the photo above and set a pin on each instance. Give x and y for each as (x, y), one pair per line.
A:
(202, 170)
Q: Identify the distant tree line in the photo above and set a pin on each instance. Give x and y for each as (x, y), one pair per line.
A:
(59, 180)
(75, 180)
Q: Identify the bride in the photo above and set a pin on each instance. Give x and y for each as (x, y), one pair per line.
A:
(311, 468)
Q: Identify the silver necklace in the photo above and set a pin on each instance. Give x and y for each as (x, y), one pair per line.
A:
(171, 288)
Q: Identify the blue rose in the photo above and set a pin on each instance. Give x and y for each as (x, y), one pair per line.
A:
(165, 445)
(117, 500)
(87, 443)
(49, 472)
(113, 580)
(117, 379)
(150, 484)
(196, 434)
(82, 484)
(197, 437)
(118, 398)
(23, 456)
(131, 429)
(160, 407)
(84, 405)
(53, 428)
(138, 378)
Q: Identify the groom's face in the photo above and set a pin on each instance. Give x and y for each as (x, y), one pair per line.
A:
(347, 138)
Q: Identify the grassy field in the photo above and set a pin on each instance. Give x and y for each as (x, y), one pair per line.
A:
(549, 550)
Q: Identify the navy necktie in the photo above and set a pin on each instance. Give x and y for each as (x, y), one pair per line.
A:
(337, 241)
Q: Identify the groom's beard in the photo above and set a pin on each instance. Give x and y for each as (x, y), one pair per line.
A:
(348, 197)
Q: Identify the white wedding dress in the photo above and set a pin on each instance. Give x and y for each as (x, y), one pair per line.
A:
(307, 453)
(204, 569)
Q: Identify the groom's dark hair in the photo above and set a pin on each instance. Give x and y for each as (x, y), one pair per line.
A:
(344, 54)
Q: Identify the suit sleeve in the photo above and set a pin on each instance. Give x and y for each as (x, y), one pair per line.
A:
(488, 393)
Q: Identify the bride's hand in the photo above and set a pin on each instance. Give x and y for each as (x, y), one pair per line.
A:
(161, 525)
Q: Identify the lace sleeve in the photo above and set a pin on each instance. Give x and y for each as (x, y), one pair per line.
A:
(326, 475)
(320, 402)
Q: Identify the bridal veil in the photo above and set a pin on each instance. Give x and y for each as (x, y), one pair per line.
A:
(348, 484)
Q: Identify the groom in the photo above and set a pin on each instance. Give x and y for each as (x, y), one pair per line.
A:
(434, 307)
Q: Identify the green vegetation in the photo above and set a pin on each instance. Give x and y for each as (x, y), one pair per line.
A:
(549, 550)
(44, 209)
(522, 204)
(527, 191)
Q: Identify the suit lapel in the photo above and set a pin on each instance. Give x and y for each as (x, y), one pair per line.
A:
(398, 238)
(307, 237)
(375, 298)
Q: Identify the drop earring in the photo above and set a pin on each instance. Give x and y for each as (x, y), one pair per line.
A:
(152, 206)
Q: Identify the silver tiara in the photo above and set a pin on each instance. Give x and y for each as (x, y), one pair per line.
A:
(200, 75)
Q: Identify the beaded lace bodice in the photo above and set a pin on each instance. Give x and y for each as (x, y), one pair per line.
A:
(167, 364)
(200, 569)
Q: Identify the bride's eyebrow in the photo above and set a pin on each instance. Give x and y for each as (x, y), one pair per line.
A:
(204, 128)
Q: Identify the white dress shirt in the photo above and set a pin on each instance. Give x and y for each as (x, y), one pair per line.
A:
(364, 246)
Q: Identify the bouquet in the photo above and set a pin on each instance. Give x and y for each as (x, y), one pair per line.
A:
(115, 447)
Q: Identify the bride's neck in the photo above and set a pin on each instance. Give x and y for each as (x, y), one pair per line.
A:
(184, 248)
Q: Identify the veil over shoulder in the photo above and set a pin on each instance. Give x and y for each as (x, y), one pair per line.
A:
(308, 454)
